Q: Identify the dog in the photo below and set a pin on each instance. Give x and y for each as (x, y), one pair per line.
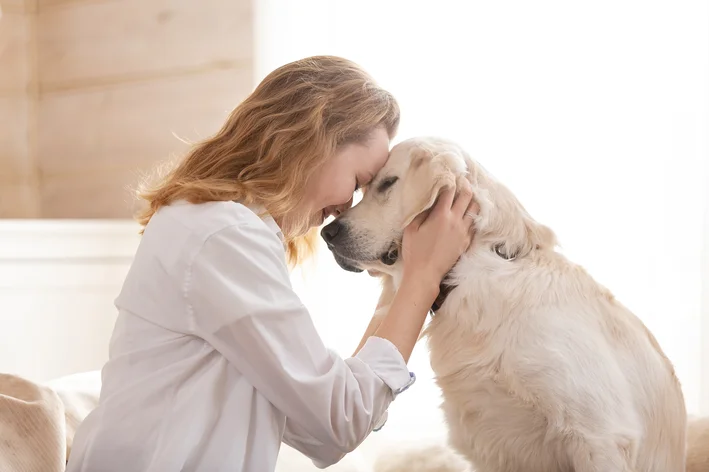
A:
(541, 369)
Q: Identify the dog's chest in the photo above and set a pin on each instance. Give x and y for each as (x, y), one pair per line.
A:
(468, 339)
(463, 354)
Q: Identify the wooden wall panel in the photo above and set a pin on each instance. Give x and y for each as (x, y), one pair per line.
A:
(14, 59)
(119, 80)
(84, 43)
(19, 191)
(134, 125)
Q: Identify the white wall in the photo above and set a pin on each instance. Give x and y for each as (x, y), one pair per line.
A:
(596, 114)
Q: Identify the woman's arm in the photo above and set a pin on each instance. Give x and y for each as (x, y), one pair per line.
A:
(242, 304)
(404, 320)
(385, 299)
(431, 245)
(294, 435)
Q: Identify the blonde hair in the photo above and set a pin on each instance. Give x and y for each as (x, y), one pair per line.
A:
(271, 143)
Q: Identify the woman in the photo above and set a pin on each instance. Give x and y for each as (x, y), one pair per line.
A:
(213, 360)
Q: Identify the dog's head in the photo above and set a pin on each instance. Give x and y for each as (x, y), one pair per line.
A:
(369, 235)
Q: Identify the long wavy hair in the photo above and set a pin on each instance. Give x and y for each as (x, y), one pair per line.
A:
(274, 140)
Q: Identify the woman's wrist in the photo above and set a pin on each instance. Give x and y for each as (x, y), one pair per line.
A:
(371, 329)
(405, 318)
(425, 284)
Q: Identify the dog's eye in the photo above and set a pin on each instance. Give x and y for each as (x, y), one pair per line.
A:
(386, 184)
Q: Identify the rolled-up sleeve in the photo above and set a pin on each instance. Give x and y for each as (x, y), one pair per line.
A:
(242, 303)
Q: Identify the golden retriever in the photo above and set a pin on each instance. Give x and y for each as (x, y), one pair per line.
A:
(540, 367)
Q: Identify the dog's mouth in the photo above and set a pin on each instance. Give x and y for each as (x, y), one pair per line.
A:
(345, 263)
(391, 255)
(388, 258)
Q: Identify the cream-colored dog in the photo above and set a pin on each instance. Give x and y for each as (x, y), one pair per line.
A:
(541, 368)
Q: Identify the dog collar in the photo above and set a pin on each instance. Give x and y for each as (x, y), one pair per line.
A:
(443, 291)
(446, 288)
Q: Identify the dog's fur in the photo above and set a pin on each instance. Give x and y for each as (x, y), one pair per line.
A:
(541, 368)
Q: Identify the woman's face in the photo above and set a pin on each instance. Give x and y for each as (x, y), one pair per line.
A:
(331, 188)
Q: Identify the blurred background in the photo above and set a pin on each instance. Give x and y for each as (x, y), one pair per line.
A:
(596, 114)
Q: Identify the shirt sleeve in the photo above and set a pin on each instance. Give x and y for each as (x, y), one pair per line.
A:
(242, 303)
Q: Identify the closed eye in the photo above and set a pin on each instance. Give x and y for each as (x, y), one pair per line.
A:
(386, 184)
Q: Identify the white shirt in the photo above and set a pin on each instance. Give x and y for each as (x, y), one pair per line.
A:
(214, 360)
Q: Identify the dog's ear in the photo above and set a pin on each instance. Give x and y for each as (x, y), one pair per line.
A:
(534, 236)
(518, 233)
(503, 218)
(539, 236)
(428, 175)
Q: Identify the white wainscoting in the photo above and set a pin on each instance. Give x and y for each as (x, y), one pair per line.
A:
(58, 280)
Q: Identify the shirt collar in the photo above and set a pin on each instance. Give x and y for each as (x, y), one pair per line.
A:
(268, 220)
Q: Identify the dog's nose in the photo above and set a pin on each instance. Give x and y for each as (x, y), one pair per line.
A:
(330, 232)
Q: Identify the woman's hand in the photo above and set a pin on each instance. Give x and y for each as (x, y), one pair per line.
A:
(432, 244)
(435, 240)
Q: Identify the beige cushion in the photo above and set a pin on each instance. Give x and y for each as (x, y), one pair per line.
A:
(32, 427)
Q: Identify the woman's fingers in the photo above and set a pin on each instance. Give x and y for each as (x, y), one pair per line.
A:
(465, 197)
